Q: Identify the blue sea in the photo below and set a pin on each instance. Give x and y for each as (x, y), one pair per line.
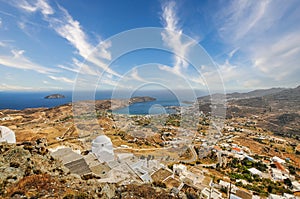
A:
(164, 99)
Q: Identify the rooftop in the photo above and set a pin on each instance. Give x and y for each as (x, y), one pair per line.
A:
(236, 149)
(66, 155)
(280, 166)
(255, 171)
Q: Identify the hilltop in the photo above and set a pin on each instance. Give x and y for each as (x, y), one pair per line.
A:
(29, 171)
(237, 95)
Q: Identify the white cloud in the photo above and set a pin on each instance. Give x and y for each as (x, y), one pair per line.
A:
(198, 81)
(7, 87)
(135, 75)
(84, 68)
(18, 53)
(62, 79)
(72, 69)
(170, 69)
(22, 25)
(228, 71)
(96, 57)
(18, 60)
(10, 87)
(172, 37)
(29, 28)
(108, 81)
(232, 53)
(279, 59)
(2, 44)
(0, 22)
(34, 6)
(79, 67)
(25, 5)
(267, 38)
(253, 83)
(238, 19)
(44, 7)
(72, 31)
(7, 14)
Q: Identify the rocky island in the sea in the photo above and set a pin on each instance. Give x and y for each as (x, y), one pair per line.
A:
(55, 96)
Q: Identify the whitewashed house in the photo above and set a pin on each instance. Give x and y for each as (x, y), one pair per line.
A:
(7, 135)
(103, 149)
(255, 171)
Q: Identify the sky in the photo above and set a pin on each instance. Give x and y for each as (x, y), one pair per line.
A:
(110, 44)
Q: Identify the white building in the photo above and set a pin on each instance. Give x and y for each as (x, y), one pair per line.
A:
(232, 196)
(124, 156)
(289, 196)
(277, 174)
(273, 196)
(277, 159)
(207, 193)
(296, 185)
(179, 168)
(237, 150)
(227, 185)
(255, 171)
(285, 196)
(7, 135)
(255, 197)
(103, 149)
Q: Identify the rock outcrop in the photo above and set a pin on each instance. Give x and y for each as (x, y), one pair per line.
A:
(27, 170)
(55, 96)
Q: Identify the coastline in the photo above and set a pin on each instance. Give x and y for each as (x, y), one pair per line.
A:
(107, 104)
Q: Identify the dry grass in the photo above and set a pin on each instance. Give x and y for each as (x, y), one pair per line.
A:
(172, 182)
(160, 175)
(35, 185)
(258, 148)
(144, 191)
(206, 180)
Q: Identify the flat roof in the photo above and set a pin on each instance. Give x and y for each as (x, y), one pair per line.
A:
(66, 155)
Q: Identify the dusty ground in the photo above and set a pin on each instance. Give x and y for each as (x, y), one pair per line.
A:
(266, 150)
(160, 175)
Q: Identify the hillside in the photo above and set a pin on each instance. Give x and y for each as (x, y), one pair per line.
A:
(277, 109)
(29, 171)
(58, 122)
(237, 95)
(255, 93)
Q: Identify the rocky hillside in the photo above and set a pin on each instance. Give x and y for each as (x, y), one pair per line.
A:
(237, 95)
(255, 93)
(28, 171)
(277, 109)
(278, 112)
